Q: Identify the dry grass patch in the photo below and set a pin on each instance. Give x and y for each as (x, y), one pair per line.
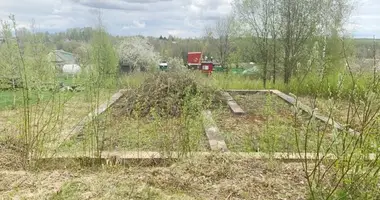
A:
(123, 133)
(50, 121)
(211, 177)
(269, 125)
(337, 110)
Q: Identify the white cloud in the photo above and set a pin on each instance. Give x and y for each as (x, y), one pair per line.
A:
(139, 24)
(175, 32)
(184, 18)
(135, 24)
(365, 18)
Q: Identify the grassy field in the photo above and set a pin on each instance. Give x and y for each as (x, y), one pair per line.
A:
(10, 99)
(269, 122)
(42, 106)
(51, 118)
(118, 131)
(14, 99)
(269, 126)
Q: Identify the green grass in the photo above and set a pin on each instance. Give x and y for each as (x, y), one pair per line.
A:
(7, 98)
(127, 81)
(231, 81)
(336, 85)
(66, 79)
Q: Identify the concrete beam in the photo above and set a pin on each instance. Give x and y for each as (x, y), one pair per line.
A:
(293, 101)
(78, 128)
(215, 139)
(146, 155)
(235, 108)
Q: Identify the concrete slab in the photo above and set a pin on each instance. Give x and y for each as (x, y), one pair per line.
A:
(235, 108)
(215, 139)
(78, 128)
(145, 155)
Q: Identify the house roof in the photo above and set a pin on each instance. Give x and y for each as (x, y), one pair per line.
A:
(62, 56)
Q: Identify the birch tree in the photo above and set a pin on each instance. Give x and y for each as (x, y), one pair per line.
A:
(292, 24)
(255, 18)
(223, 30)
(274, 22)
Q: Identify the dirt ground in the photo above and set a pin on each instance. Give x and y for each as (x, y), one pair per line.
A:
(211, 177)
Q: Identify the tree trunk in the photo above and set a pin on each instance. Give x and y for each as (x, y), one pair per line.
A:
(274, 37)
(274, 58)
(288, 45)
(14, 92)
(266, 62)
(287, 67)
(265, 74)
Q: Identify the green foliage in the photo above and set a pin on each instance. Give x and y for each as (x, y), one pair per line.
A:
(25, 62)
(9, 59)
(103, 69)
(7, 100)
(176, 64)
(232, 81)
(101, 73)
(39, 69)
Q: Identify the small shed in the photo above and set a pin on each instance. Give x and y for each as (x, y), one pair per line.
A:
(61, 58)
(207, 67)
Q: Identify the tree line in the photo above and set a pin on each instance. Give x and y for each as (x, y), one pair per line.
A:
(283, 33)
(278, 35)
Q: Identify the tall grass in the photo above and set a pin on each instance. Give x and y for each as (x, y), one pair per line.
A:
(343, 177)
(338, 84)
(351, 175)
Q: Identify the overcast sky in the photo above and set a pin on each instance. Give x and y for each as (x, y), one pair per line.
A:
(183, 18)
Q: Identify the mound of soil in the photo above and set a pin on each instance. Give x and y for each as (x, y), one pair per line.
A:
(168, 94)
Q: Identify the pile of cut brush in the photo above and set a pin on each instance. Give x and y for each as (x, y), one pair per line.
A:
(168, 94)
